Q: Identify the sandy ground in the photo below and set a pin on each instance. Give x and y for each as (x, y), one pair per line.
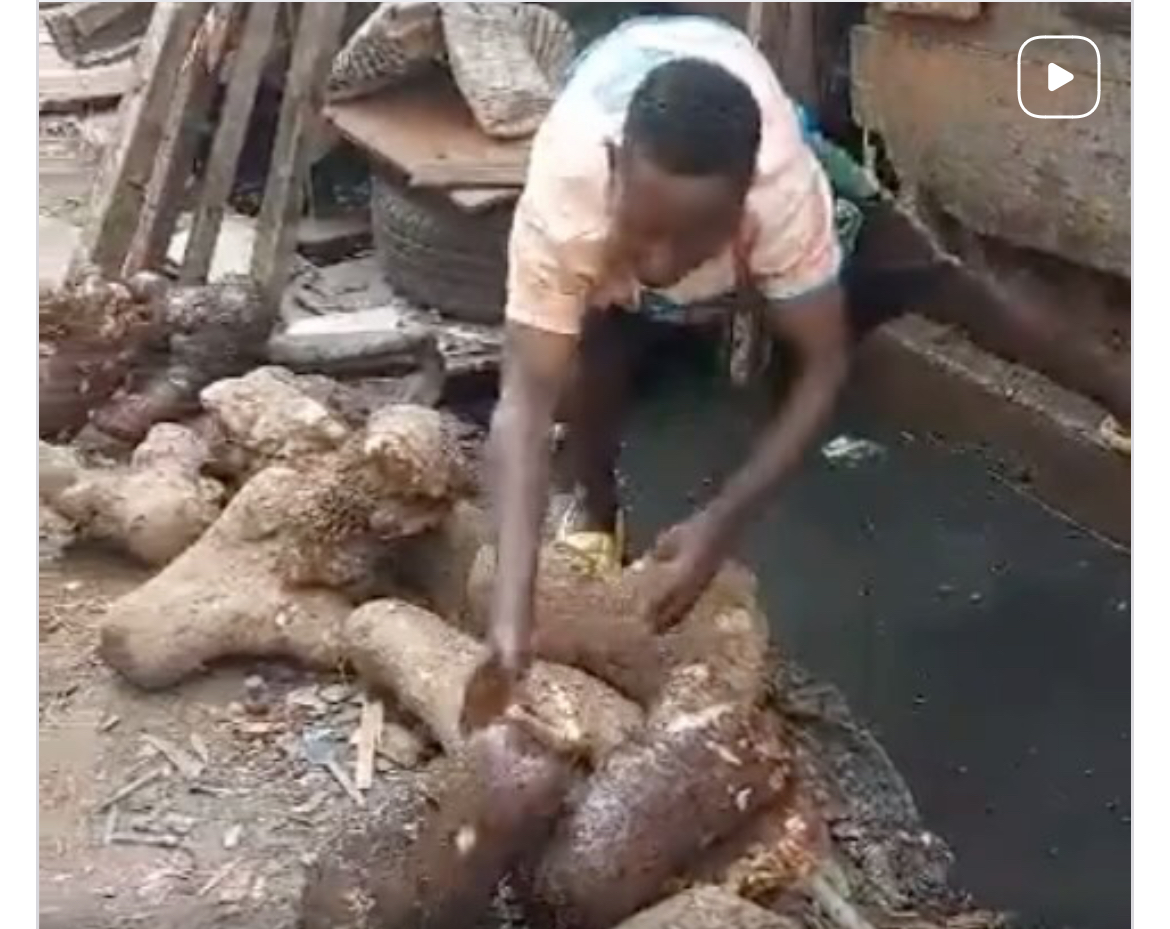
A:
(223, 844)
(243, 819)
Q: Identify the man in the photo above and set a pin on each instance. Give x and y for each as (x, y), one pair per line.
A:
(671, 174)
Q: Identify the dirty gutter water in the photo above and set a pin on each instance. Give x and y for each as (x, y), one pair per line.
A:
(985, 639)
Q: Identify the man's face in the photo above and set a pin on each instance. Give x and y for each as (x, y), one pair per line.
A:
(666, 225)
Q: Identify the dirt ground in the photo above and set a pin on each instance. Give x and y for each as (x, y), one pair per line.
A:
(224, 842)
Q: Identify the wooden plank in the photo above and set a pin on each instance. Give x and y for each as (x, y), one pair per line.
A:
(317, 38)
(755, 22)
(126, 172)
(476, 200)
(421, 125)
(963, 12)
(62, 86)
(1061, 186)
(84, 19)
(488, 174)
(176, 154)
(250, 58)
(89, 34)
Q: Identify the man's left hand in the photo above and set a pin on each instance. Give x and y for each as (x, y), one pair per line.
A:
(684, 561)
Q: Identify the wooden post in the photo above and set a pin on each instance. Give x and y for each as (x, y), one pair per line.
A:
(755, 22)
(797, 60)
(229, 139)
(125, 176)
(176, 154)
(316, 41)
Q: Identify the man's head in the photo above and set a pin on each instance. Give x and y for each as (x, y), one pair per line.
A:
(686, 161)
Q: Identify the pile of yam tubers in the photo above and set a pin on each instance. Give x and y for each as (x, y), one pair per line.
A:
(646, 780)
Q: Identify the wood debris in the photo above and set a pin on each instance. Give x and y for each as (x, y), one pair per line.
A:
(134, 786)
(199, 747)
(369, 734)
(187, 764)
(218, 878)
(333, 766)
(160, 840)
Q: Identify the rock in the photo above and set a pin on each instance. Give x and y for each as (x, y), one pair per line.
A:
(401, 747)
(707, 908)
(336, 693)
(232, 837)
(154, 509)
(426, 664)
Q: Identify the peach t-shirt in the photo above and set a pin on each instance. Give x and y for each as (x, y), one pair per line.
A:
(558, 262)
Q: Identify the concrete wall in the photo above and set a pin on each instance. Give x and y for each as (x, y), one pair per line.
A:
(942, 95)
(1042, 205)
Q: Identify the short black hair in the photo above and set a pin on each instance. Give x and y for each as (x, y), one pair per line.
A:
(694, 118)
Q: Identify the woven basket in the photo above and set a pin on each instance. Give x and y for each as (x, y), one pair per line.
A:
(398, 41)
(508, 60)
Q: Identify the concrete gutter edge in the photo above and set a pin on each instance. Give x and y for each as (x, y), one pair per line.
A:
(1044, 440)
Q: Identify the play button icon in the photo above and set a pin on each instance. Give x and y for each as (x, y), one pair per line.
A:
(1038, 75)
(1057, 77)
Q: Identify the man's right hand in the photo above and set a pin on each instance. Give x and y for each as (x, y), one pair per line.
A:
(495, 685)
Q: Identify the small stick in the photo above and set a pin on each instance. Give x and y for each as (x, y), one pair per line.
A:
(199, 747)
(217, 878)
(186, 763)
(134, 786)
(111, 826)
(369, 734)
(342, 778)
(154, 841)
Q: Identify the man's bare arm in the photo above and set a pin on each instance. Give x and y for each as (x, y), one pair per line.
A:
(536, 368)
(815, 327)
